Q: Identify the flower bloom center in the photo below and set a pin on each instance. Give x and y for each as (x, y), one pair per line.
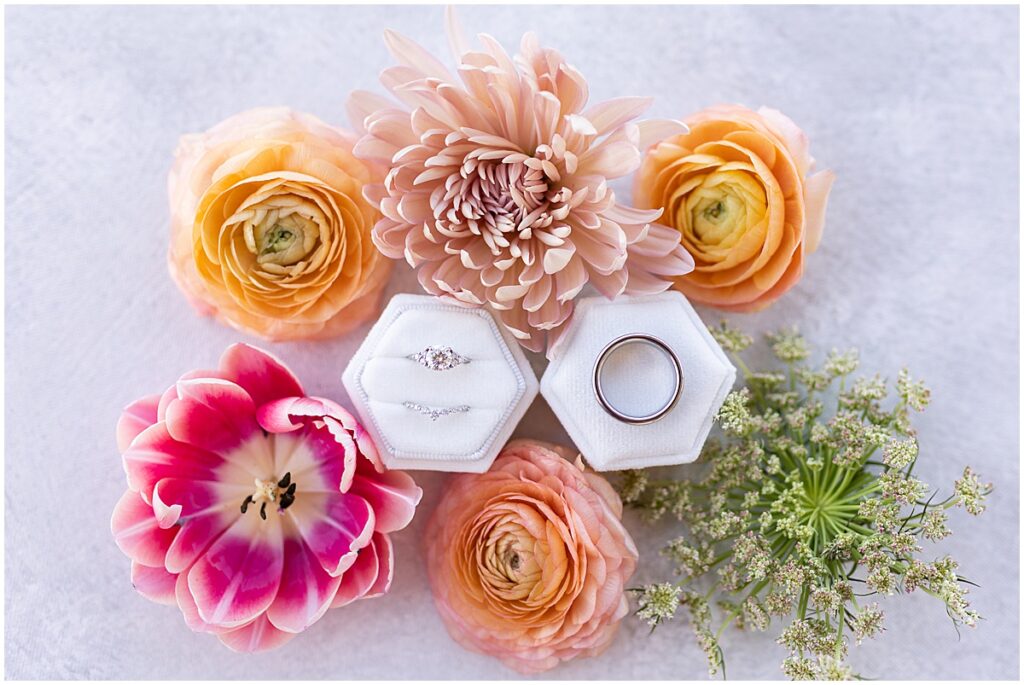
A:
(281, 236)
(269, 491)
(505, 201)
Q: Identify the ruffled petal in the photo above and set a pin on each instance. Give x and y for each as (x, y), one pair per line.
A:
(155, 455)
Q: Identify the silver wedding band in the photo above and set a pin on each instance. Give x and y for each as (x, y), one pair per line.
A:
(634, 339)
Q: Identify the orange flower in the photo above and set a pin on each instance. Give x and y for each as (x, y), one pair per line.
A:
(737, 189)
(269, 229)
(528, 562)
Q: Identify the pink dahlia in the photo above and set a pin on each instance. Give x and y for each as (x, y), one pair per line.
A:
(497, 189)
(252, 507)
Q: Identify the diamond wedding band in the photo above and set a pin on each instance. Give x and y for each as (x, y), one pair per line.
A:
(637, 339)
(435, 412)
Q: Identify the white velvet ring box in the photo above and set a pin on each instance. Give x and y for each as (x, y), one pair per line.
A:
(439, 386)
(638, 379)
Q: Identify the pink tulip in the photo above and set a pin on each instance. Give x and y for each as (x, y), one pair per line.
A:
(252, 507)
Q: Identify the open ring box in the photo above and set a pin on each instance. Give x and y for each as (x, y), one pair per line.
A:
(640, 381)
(441, 387)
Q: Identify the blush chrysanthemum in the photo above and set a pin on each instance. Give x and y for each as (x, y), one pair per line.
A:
(497, 190)
(251, 506)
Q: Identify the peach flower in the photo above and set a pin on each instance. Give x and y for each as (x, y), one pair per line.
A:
(738, 190)
(497, 186)
(269, 229)
(528, 562)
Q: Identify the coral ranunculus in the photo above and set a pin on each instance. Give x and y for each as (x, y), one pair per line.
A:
(252, 507)
(738, 189)
(498, 185)
(528, 562)
(270, 232)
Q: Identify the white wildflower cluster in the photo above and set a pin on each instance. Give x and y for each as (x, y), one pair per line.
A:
(657, 603)
(798, 506)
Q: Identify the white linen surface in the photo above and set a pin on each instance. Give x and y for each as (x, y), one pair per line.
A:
(916, 109)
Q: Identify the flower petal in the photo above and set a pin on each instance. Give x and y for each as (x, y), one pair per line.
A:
(154, 583)
(211, 413)
(155, 455)
(238, 577)
(358, 579)
(259, 635)
(335, 526)
(136, 417)
(260, 373)
(393, 495)
(306, 589)
(137, 531)
(385, 565)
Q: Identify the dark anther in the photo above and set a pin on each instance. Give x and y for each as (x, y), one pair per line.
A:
(283, 483)
(263, 511)
(265, 433)
(291, 491)
(245, 504)
(286, 501)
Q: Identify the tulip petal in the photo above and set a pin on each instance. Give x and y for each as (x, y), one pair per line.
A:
(306, 589)
(239, 575)
(136, 417)
(385, 565)
(154, 583)
(335, 526)
(393, 496)
(359, 578)
(137, 531)
(155, 455)
(211, 413)
(261, 374)
(259, 635)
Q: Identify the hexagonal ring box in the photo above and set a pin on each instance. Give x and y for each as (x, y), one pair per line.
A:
(439, 386)
(642, 379)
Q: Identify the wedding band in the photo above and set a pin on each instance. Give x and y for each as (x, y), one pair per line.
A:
(436, 412)
(438, 358)
(637, 339)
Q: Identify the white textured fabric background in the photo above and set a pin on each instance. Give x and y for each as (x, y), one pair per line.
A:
(916, 109)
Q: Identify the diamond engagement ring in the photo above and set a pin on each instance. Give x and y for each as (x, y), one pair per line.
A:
(436, 412)
(439, 358)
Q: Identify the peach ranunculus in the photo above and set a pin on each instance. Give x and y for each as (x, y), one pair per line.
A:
(269, 229)
(738, 189)
(528, 562)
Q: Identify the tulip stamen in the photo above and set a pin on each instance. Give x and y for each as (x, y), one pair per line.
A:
(273, 490)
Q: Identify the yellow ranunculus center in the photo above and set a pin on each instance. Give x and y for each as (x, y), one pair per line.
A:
(281, 236)
(724, 205)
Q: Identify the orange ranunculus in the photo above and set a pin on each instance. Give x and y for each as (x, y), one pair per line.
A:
(269, 229)
(528, 562)
(738, 190)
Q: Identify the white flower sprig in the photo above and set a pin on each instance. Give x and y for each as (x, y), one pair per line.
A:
(800, 516)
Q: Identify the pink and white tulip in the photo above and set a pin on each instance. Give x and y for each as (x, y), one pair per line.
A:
(252, 507)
